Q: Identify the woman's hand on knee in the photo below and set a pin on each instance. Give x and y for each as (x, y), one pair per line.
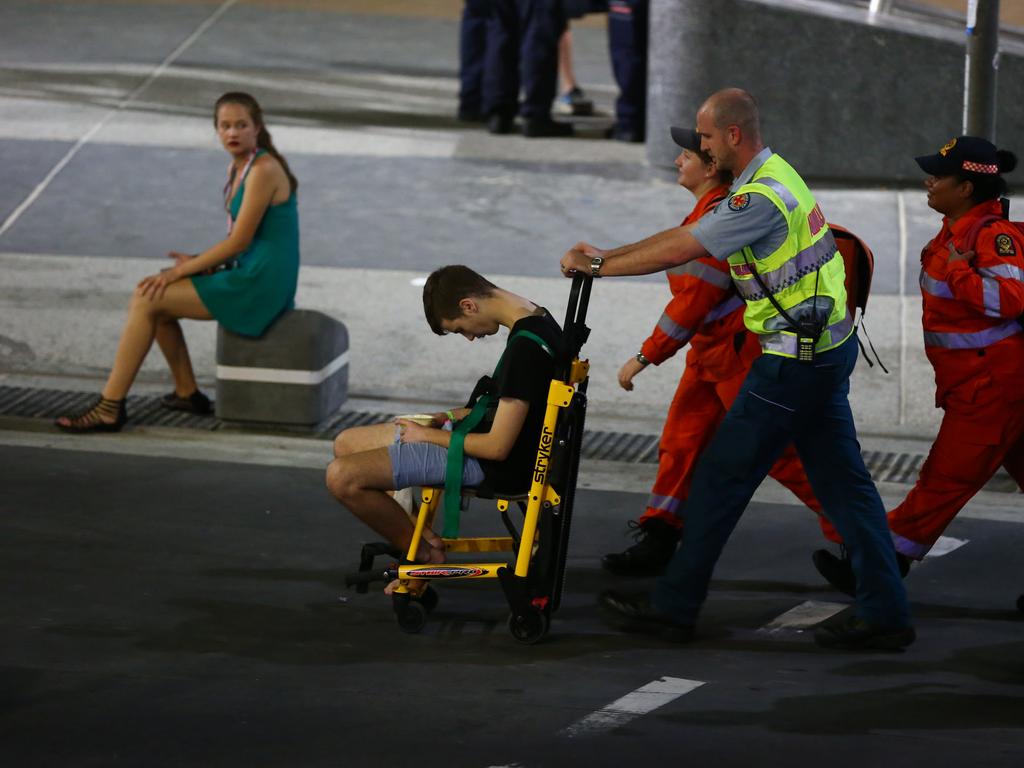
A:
(155, 286)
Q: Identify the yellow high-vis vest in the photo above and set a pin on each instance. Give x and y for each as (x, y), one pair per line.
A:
(806, 264)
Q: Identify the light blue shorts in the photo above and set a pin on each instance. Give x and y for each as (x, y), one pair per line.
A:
(419, 464)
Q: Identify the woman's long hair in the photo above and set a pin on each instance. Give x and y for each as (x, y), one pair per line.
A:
(263, 140)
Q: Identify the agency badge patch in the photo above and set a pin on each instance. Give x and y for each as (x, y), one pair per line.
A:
(1005, 246)
(739, 202)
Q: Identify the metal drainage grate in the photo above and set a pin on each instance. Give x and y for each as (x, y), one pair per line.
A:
(599, 445)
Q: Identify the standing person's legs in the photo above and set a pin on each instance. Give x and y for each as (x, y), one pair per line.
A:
(500, 100)
(826, 440)
(542, 23)
(472, 52)
(627, 46)
(752, 435)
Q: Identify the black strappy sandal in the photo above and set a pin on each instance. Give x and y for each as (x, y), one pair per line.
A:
(93, 419)
(197, 402)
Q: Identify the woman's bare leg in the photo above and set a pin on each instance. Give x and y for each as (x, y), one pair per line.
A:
(144, 314)
(171, 341)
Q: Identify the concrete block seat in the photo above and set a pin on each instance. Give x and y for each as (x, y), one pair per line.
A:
(295, 373)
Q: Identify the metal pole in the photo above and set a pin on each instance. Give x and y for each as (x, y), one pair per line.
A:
(981, 68)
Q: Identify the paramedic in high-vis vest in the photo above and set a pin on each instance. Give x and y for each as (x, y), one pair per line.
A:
(972, 290)
(784, 263)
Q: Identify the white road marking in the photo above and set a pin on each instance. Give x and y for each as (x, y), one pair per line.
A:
(631, 706)
(945, 545)
(160, 69)
(804, 616)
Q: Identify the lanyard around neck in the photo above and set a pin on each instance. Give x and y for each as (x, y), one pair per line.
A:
(231, 182)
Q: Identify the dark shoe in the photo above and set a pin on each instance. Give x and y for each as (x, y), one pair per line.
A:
(630, 135)
(197, 402)
(636, 614)
(545, 127)
(103, 416)
(574, 102)
(854, 633)
(655, 544)
(838, 572)
(500, 124)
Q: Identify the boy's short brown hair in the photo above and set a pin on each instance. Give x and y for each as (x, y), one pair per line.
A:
(446, 287)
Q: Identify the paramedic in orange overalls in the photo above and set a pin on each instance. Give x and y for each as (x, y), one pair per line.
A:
(706, 313)
(972, 286)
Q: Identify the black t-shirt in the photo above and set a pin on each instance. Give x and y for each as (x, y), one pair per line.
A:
(525, 375)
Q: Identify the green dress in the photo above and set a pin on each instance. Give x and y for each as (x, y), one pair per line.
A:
(248, 298)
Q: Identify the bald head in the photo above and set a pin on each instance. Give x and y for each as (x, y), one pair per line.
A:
(734, 106)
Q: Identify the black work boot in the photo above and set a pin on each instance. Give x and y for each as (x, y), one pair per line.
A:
(855, 634)
(655, 544)
(838, 571)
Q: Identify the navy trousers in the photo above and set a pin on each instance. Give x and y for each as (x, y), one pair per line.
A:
(472, 55)
(522, 50)
(785, 401)
(627, 48)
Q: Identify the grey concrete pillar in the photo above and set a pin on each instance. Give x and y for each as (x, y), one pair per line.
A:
(844, 94)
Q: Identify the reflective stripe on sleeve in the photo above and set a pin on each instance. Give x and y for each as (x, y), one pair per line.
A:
(990, 296)
(976, 340)
(673, 330)
(702, 271)
(934, 287)
(1009, 271)
(726, 307)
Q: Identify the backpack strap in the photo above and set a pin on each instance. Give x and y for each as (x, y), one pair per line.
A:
(456, 446)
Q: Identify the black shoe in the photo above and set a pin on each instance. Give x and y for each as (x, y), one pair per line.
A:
(104, 415)
(541, 127)
(655, 544)
(636, 614)
(629, 135)
(854, 633)
(838, 572)
(500, 124)
(197, 402)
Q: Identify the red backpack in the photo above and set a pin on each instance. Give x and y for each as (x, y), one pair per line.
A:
(859, 262)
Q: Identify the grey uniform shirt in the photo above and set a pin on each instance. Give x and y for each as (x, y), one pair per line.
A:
(735, 223)
(753, 220)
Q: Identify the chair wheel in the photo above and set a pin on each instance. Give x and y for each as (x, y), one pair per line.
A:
(429, 599)
(528, 628)
(1020, 603)
(411, 614)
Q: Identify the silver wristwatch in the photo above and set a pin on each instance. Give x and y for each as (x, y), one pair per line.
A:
(595, 266)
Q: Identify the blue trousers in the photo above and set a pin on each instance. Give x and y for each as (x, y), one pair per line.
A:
(627, 48)
(472, 54)
(785, 401)
(522, 50)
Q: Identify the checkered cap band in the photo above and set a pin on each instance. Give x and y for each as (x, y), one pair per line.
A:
(980, 167)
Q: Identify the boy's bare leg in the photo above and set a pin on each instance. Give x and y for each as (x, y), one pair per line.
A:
(361, 439)
(360, 481)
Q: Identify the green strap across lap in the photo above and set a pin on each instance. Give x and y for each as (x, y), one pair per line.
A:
(456, 447)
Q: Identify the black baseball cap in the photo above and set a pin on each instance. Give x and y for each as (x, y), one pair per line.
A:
(687, 138)
(964, 154)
